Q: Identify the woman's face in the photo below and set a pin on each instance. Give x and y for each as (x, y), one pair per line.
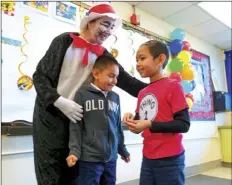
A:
(101, 29)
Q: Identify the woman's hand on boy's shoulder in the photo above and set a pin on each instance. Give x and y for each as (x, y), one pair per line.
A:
(71, 160)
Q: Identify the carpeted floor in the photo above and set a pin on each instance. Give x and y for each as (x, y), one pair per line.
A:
(195, 180)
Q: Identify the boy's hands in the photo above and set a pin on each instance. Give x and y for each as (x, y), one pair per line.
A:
(71, 160)
(137, 126)
(127, 116)
(127, 159)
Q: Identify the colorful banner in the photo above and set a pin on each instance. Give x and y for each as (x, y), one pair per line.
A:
(39, 6)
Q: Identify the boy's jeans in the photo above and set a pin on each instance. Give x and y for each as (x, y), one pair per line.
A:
(166, 171)
(91, 172)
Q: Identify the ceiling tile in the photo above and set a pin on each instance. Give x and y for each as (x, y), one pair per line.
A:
(163, 9)
(220, 38)
(224, 45)
(210, 27)
(188, 17)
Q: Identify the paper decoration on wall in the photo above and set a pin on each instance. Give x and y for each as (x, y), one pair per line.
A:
(8, 7)
(114, 52)
(66, 12)
(24, 82)
(12, 42)
(38, 6)
(131, 42)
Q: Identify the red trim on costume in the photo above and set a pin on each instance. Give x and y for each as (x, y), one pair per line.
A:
(79, 42)
(101, 9)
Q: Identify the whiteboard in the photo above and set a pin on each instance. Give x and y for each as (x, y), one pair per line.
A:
(18, 104)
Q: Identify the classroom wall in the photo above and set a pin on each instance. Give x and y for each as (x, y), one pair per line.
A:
(201, 142)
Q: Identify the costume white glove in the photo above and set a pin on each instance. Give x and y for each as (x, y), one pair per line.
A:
(70, 108)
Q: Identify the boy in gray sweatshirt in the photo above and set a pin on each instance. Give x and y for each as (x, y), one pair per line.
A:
(98, 138)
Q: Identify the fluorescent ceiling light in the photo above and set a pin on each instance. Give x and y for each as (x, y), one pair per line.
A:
(219, 10)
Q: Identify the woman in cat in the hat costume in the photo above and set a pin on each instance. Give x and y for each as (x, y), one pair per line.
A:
(64, 68)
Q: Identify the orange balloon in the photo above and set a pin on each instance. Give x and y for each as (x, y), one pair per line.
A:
(187, 73)
(189, 65)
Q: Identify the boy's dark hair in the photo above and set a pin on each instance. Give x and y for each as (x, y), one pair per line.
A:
(104, 61)
(157, 48)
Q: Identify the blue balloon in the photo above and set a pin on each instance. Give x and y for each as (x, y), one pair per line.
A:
(187, 86)
(176, 46)
(178, 34)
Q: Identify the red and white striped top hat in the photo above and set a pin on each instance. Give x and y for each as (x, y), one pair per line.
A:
(100, 10)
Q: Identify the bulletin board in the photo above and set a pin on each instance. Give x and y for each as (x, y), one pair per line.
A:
(203, 109)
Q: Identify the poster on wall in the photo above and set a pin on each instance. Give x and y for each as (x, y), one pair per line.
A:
(8, 7)
(66, 12)
(38, 6)
(203, 92)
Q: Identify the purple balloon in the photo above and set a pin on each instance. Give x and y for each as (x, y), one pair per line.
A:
(176, 46)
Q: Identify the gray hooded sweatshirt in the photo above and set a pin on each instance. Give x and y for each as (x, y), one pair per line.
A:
(98, 137)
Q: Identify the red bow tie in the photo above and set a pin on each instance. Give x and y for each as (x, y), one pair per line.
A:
(78, 42)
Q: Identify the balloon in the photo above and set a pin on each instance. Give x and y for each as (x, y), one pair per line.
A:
(178, 34)
(175, 76)
(189, 96)
(175, 65)
(185, 56)
(175, 46)
(187, 86)
(186, 46)
(190, 103)
(187, 73)
(189, 65)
